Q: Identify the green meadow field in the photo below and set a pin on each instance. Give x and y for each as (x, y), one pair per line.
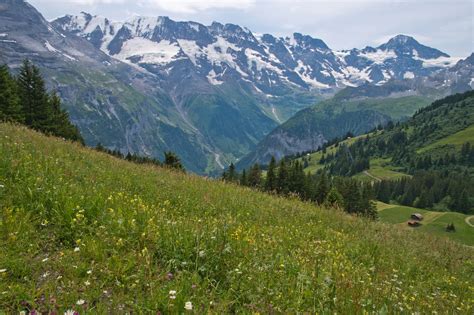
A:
(86, 232)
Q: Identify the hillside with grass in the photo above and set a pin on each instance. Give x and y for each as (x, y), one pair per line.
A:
(85, 231)
(433, 222)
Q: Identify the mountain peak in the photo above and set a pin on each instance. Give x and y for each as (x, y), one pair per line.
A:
(402, 40)
(307, 41)
(404, 45)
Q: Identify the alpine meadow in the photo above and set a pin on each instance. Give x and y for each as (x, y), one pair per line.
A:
(154, 160)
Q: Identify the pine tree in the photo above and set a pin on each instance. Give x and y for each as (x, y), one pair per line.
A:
(255, 176)
(282, 178)
(334, 199)
(10, 109)
(33, 97)
(270, 182)
(59, 123)
(232, 174)
(173, 161)
(243, 178)
(322, 189)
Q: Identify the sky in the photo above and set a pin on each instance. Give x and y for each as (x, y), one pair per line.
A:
(447, 25)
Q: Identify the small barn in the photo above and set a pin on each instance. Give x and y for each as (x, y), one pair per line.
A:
(417, 216)
(414, 223)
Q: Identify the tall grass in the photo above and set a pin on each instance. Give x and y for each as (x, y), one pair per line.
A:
(85, 231)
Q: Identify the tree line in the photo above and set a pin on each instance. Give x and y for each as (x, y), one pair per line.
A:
(171, 159)
(288, 178)
(24, 99)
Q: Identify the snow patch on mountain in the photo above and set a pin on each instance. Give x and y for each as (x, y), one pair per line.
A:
(212, 78)
(305, 74)
(408, 75)
(150, 52)
(379, 56)
(441, 62)
(256, 59)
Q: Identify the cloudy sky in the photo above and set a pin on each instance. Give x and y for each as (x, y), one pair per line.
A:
(444, 24)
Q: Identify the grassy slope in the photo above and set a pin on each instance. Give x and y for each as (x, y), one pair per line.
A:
(379, 168)
(456, 140)
(229, 249)
(396, 108)
(434, 222)
(313, 164)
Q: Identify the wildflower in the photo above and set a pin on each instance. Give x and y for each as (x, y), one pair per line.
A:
(87, 283)
(76, 249)
(169, 276)
(2, 186)
(202, 253)
(22, 313)
(71, 312)
(3, 270)
(80, 302)
(188, 306)
(89, 272)
(172, 294)
(45, 260)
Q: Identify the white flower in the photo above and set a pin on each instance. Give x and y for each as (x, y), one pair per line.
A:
(172, 294)
(188, 306)
(87, 283)
(202, 253)
(76, 249)
(69, 312)
(22, 313)
(2, 186)
(89, 272)
(3, 270)
(45, 260)
(80, 302)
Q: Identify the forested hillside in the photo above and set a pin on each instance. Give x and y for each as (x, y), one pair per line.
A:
(435, 148)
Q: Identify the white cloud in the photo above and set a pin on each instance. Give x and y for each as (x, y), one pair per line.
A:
(190, 6)
(177, 6)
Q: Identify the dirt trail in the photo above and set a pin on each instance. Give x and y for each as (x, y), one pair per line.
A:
(468, 220)
(372, 176)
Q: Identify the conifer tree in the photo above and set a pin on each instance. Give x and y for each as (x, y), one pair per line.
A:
(33, 97)
(243, 178)
(59, 123)
(282, 178)
(10, 109)
(334, 199)
(270, 182)
(322, 189)
(255, 176)
(173, 161)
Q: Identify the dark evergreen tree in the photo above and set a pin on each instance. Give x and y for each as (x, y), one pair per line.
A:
(10, 109)
(255, 176)
(33, 97)
(271, 181)
(322, 189)
(334, 199)
(282, 178)
(173, 161)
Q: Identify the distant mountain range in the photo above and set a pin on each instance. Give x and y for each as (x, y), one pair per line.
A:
(209, 93)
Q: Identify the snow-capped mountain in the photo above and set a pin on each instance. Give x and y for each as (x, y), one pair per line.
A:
(208, 93)
(222, 52)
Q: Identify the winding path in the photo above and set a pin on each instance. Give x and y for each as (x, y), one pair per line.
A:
(372, 176)
(468, 220)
